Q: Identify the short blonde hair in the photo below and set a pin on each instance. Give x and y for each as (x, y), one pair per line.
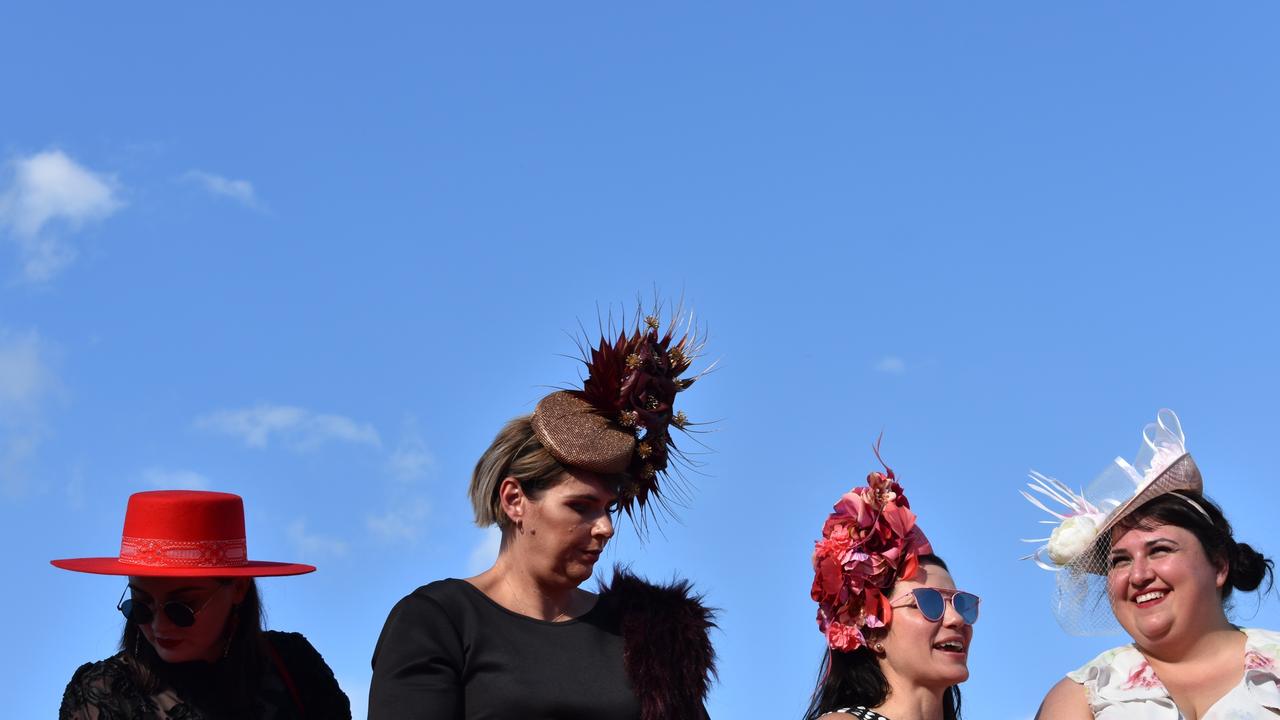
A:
(516, 452)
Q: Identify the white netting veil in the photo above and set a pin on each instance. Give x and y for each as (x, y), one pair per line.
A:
(1079, 548)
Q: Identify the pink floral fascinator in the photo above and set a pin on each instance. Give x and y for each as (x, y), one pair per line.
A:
(868, 543)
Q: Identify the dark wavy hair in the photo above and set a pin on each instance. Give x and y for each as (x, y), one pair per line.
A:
(230, 685)
(1246, 567)
(850, 679)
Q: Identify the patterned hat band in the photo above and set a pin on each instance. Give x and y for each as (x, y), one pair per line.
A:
(159, 552)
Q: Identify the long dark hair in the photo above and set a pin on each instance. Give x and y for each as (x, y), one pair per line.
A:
(231, 684)
(850, 679)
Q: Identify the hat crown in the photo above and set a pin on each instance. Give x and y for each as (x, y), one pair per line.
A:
(185, 515)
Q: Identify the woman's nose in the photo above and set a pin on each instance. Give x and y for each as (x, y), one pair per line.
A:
(1140, 572)
(603, 527)
(950, 617)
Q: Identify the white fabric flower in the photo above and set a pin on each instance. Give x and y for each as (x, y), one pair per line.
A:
(1073, 537)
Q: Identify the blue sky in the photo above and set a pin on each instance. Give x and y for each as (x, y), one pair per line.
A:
(318, 255)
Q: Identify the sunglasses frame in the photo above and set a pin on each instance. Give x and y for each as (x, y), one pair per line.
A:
(948, 596)
(128, 607)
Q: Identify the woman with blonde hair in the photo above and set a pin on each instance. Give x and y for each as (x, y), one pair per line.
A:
(1142, 547)
(523, 639)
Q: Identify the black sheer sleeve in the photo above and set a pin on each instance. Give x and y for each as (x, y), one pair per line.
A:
(417, 664)
(102, 691)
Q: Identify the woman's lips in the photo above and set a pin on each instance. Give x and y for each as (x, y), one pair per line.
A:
(168, 643)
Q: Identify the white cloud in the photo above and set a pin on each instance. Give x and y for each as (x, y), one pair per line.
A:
(484, 553)
(26, 383)
(402, 523)
(163, 479)
(25, 377)
(891, 365)
(239, 190)
(299, 428)
(47, 189)
(410, 460)
(312, 546)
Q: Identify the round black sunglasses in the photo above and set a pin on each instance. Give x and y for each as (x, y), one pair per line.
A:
(140, 613)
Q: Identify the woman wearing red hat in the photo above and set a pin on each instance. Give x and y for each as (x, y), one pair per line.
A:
(522, 639)
(193, 645)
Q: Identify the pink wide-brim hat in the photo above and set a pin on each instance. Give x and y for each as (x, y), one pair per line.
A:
(183, 533)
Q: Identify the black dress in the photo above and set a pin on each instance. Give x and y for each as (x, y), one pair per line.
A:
(449, 652)
(110, 689)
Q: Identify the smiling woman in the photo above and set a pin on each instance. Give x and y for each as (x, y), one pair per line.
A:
(1167, 561)
(193, 646)
(522, 639)
(898, 632)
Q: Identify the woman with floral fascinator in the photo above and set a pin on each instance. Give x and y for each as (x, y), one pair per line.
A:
(1142, 547)
(523, 640)
(897, 629)
(193, 646)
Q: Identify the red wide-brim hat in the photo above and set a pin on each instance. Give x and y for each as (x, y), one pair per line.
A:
(183, 533)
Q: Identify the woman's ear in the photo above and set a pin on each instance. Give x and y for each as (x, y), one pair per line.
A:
(513, 500)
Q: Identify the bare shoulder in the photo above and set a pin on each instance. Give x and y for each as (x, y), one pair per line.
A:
(1065, 701)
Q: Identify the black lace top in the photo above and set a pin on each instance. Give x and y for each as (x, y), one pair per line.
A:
(111, 690)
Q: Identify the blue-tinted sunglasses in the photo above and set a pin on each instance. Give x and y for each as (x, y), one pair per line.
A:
(932, 603)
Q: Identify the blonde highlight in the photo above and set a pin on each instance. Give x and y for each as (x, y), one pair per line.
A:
(515, 452)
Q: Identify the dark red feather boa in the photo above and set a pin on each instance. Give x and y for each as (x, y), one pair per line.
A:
(667, 647)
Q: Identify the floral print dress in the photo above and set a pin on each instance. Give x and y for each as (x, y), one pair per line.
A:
(1120, 684)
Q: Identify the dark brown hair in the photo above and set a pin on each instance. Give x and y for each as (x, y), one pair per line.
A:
(850, 679)
(1246, 567)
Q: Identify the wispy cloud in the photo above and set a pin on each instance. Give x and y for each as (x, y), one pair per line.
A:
(26, 384)
(296, 427)
(164, 479)
(313, 546)
(239, 190)
(410, 460)
(485, 551)
(892, 365)
(402, 523)
(48, 193)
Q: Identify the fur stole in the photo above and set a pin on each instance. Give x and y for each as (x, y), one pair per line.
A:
(667, 650)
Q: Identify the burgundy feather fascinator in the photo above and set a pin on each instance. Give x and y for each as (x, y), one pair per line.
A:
(620, 421)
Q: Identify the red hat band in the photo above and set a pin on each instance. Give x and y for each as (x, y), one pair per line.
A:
(184, 529)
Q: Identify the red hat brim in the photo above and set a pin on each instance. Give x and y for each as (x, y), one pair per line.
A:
(113, 566)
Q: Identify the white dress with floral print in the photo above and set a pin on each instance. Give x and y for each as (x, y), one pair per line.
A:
(1121, 684)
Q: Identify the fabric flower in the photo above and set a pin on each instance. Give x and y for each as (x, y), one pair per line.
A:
(868, 542)
(1073, 536)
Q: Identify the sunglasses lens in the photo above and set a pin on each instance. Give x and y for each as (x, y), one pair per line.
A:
(967, 605)
(180, 614)
(135, 612)
(930, 602)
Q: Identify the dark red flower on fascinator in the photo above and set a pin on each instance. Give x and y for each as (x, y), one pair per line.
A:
(870, 542)
(620, 421)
